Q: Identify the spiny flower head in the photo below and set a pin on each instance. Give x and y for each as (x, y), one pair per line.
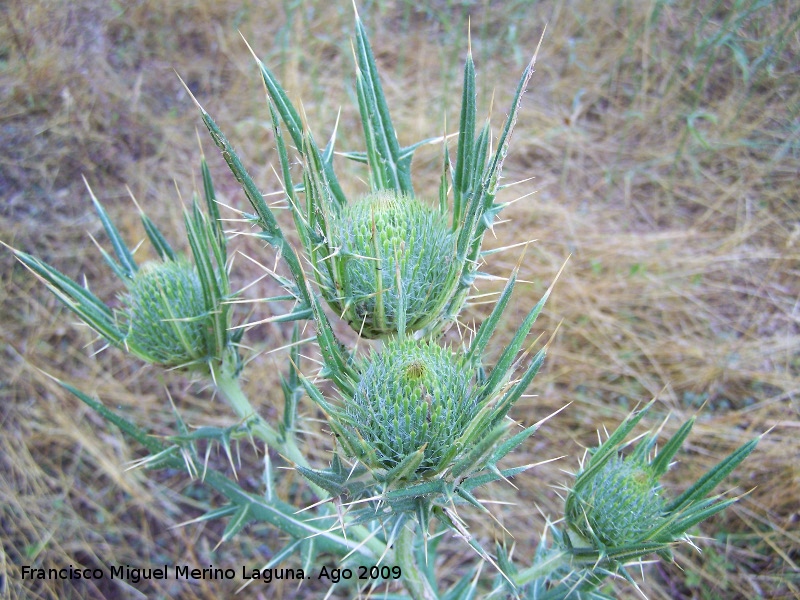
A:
(175, 312)
(615, 511)
(620, 505)
(165, 314)
(387, 264)
(394, 253)
(413, 396)
(422, 423)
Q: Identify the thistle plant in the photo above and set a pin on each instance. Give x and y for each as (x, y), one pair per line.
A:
(418, 425)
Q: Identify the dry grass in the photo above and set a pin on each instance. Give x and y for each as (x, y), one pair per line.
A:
(664, 139)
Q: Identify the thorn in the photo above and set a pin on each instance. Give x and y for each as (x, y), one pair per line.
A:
(249, 47)
(135, 203)
(469, 36)
(527, 179)
(536, 52)
(314, 505)
(515, 200)
(199, 144)
(550, 341)
(552, 285)
(509, 247)
(191, 95)
(292, 344)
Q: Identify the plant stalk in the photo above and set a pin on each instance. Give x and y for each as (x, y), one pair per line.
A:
(413, 579)
(555, 559)
(227, 382)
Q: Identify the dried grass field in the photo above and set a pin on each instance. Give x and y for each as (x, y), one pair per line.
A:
(658, 146)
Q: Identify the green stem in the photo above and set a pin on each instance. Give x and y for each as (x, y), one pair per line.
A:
(413, 579)
(227, 382)
(552, 561)
(284, 443)
(279, 514)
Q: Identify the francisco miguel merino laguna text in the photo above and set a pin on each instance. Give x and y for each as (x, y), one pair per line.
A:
(136, 574)
(266, 575)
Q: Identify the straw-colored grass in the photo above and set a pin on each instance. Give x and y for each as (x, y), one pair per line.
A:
(663, 139)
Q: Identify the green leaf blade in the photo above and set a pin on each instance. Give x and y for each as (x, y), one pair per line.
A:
(75, 297)
(124, 255)
(466, 140)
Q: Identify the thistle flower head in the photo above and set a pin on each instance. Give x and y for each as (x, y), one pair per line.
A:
(620, 505)
(386, 264)
(413, 396)
(166, 315)
(615, 511)
(394, 254)
(174, 312)
(424, 423)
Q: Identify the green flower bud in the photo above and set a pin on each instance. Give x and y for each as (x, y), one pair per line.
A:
(166, 316)
(619, 506)
(411, 395)
(381, 237)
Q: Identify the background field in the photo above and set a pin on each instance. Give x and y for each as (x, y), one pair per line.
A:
(663, 143)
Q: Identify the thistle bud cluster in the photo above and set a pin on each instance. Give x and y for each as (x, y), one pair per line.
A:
(399, 270)
(418, 425)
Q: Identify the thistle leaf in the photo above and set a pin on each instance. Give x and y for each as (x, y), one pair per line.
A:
(266, 219)
(157, 239)
(501, 371)
(389, 168)
(487, 328)
(150, 442)
(291, 119)
(703, 486)
(124, 255)
(466, 140)
(511, 396)
(405, 468)
(326, 480)
(437, 486)
(476, 481)
(660, 465)
(290, 385)
(464, 589)
(513, 442)
(480, 447)
(238, 522)
(213, 210)
(339, 370)
(201, 240)
(78, 299)
(301, 226)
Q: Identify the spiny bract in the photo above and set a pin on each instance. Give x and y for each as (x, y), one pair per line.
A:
(412, 395)
(165, 314)
(387, 239)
